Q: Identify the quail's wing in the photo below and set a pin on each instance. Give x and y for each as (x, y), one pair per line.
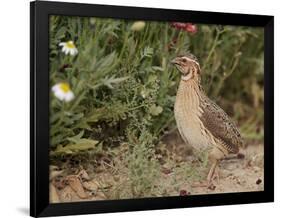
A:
(221, 127)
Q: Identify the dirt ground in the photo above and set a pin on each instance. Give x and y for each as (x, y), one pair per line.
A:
(242, 173)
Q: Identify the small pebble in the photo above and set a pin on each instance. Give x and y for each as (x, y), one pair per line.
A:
(258, 181)
(184, 192)
(212, 187)
(240, 156)
(166, 170)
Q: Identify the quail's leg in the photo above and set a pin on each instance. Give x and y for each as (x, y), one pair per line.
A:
(214, 157)
(213, 173)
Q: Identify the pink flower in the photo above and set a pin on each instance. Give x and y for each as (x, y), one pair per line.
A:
(178, 25)
(191, 28)
(188, 27)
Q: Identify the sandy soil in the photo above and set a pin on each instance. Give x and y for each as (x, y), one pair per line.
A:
(238, 174)
(242, 175)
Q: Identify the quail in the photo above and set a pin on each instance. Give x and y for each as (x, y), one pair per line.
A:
(200, 121)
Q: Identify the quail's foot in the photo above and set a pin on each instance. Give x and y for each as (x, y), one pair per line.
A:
(209, 182)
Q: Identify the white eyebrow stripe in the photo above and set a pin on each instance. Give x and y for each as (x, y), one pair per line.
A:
(193, 61)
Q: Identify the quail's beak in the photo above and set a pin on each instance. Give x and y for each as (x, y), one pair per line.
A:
(175, 61)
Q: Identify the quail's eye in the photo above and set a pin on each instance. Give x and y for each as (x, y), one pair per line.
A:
(184, 60)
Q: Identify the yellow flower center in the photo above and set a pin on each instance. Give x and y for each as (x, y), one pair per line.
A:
(70, 44)
(64, 87)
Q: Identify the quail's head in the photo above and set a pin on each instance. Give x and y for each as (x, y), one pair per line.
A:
(188, 66)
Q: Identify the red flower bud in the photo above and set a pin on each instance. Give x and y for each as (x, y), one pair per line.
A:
(188, 27)
(178, 25)
(191, 28)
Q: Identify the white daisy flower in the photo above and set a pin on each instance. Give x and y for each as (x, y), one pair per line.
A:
(63, 92)
(69, 48)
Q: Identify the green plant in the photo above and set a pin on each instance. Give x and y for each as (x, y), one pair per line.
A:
(124, 88)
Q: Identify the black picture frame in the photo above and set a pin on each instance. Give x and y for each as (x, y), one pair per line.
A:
(39, 108)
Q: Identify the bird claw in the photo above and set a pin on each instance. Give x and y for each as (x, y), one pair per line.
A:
(206, 184)
(209, 182)
(216, 176)
(211, 186)
(199, 184)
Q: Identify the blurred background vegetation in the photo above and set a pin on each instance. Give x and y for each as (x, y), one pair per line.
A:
(125, 87)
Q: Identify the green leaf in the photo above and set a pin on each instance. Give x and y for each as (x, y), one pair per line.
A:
(61, 33)
(112, 80)
(78, 144)
(157, 68)
(155, 110)
(107, 61)
(85, 144)
(76, 138)
(147, 52)
(152, 79)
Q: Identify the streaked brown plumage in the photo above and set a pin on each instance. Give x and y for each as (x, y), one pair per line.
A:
(201, 122)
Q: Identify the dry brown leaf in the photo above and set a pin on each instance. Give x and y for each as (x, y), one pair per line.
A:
(84, 175)
(91, 185)
(54, 197)
(76, 185)
(53, 167)
(99, 197)
(54, 174)
(59, 183)
(67, 194)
